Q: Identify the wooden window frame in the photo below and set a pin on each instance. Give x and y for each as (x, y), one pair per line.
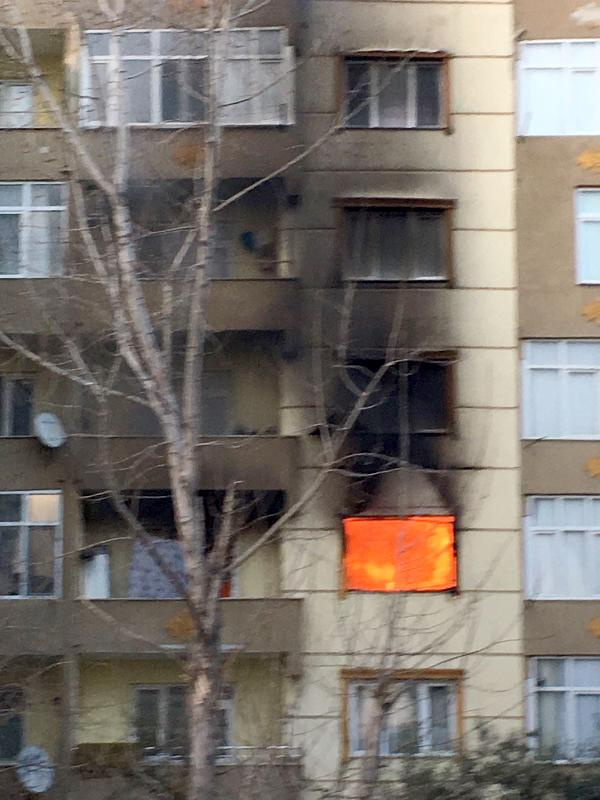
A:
(369, 675)
(440, 56)
(447, 206)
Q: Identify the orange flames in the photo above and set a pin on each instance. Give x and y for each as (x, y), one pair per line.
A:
(400, 554)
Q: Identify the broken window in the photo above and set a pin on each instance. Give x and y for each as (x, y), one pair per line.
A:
(12, 728)
(399, 554)
(16, 405)
(396, 243)
(398, 92)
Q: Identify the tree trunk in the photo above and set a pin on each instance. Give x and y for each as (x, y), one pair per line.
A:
(203, 671)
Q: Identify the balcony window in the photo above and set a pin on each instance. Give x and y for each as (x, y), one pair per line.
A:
(30, 544)
(12, 723)
(32, 229)
(566, 707)
(165, 75)
(399, 243)
(16, 105)
(16, 405)
(393, 92)
(421, 719)
(587, 225)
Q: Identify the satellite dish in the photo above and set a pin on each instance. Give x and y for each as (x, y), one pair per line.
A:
(35, 770)
(49, 430)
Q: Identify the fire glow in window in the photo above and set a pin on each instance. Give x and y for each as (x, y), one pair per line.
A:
(399, 554)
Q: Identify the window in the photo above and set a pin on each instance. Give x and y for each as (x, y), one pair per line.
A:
(559, 83)
(215, 412)
(563, 547)
(587, 224)
(399, 554)
(32, 220)
(12, 734)
(397, 243)
(16, 105)
(16, 405)
(398, 92)
(561, 385)
(164, 74)
(565, 707)
(161, 720)
(30, 544)
(421, 719)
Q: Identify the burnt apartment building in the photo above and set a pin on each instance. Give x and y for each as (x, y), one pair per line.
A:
(557, 70)
(387, 249)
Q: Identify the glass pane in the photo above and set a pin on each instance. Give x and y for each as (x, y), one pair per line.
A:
(182, 43)
(98, 43)
(427, 397)
(594, 564)
(10, 507)
(358, 79)
(10, 562)
(551, 671)
(43, 507)
(588, 202)
(238, 89)
(544, 103)
(573, 511)
(223, 727)
(170, 91)
(595, 513)
(215, 403)
(11, 195)
(176, 721)
(428, 95)
(137, 90)
(582, 54)
(586, 115)
(441, 735)
(47, 194)
(363, 710)
(587, 721)
(581, 404)
(269, 43)
(45, 243)
(364, 242)
(182, 87)
(583, 354)
(429, 245)
(573, 569)
(147, 720)
(589, 251)
(401, 723)
(136, 44)
(546, 54)
(388, 245)
(11, 723)
(16, 105)
(544, 510)
(96, 104)
(238, 43)
(551, 725)
(586, 673)
(41, 560)
(22, 394)
(9, 244)
(392, 101)
(270, 92)
(194, 89)
(543, 354)
(544, 410)
(543, 566)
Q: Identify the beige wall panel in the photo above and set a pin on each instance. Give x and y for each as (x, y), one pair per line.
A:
(311, 560)
(490, 499)
(484, 259)
(487, 438)
(320, 741)
(482, 318)
(482, 85)
(562, 628)
(487, 378)
(557, 20)
(489, 560)
(559, 467)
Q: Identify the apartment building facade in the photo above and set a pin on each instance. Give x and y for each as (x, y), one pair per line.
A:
(389, 246)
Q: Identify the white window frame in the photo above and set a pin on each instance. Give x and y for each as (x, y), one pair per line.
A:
(7, 382)
(24, 524)
(570, 691)
(155, 59)
(12, 119)
(564, 368)
(21, 713)
(566, 67)
(580, 219)
(424, 747)
(376, 67)
(25, 212)
(560, 535)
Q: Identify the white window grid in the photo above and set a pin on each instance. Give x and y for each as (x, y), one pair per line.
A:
(7, 388)
(26, 211)
(571, 693)
(564, 368)
(378, 76)
(24, 524)
(155, 59)
(566, 65)
(581, 218)
(423, 718)
(20, 116)
(560, 542)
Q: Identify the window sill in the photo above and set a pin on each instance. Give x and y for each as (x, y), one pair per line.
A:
(432, 129)
(161, 126)
(20, 597)
(421, 282)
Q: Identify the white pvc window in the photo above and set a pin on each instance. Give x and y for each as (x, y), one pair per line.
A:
(16, 405)
(422, 719)
(565, 707)
(587, 228)
(393, 93)
(30, 544)
(559, 83)
(561, 389)
(33, 219)
(164, 77)
(563, 548)
(16, 105)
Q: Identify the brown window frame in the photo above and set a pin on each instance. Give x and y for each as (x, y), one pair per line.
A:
(439, 56)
